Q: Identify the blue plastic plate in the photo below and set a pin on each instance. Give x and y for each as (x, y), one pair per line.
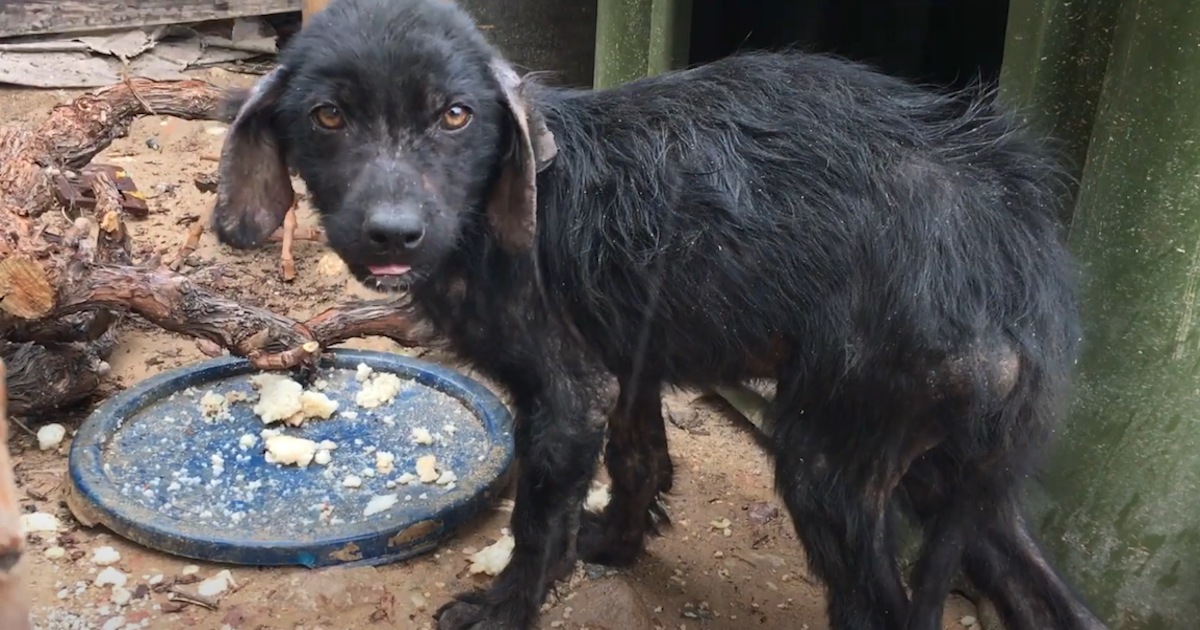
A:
(142, 465)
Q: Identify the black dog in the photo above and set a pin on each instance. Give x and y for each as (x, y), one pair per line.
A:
(892, 256)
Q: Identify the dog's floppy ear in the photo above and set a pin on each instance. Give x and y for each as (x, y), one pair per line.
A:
(512, 208)
(254, 190)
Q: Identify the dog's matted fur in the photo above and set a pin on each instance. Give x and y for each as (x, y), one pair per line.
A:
(891, 255)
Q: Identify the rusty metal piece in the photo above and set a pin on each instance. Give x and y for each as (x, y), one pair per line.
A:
(76, 192)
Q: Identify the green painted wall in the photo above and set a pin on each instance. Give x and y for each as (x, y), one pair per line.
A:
(637, 38)
(1120, 505)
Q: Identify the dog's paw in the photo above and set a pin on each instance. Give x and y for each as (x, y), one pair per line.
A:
(597, 544)
(562, 569)
(470, 611)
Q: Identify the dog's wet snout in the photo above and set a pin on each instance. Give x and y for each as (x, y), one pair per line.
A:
(394, 227)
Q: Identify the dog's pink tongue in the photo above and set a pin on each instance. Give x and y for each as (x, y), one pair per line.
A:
(390, 270)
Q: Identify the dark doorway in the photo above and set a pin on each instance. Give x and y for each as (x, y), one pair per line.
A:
(943, 42)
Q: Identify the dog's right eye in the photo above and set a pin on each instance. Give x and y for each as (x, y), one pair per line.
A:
(455, 117)
(329, 117)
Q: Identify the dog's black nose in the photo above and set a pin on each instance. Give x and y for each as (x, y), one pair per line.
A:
(391, 228)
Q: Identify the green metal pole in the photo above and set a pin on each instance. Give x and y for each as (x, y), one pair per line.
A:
(622, 41)
(1120, 506)
(638, 38)
(1055, 58)
(670, 28)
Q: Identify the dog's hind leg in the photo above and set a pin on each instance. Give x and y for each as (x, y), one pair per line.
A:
(1005, 562)
(566, 554)
(946, 505)
(976, 487)
(1007, 565)
(557, 448)
(640, 467)
(972, 521)
(836, 485)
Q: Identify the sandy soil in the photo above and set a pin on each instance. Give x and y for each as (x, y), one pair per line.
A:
(751, 575)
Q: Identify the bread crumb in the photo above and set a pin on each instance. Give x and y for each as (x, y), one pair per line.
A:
(379, 504)
(110, 577)
(247, 442)
(279, 397)
(447, 477)
(50, 436)
(331, 265)
(317, 405)
(427, 469)
(282, 399)
(214, 407)
(216, 584)
(285, 450)
(493, 558)
(105, 557)
(322, 458)
(40, 522)
(598, 497)
(120, 595)
(379, 390)
(363, 373)
(407, 479)
(352, 481)
(384, 462)
(218, 464)
(421, 435)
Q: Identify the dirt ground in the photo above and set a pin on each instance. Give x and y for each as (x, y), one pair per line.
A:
(750, 574)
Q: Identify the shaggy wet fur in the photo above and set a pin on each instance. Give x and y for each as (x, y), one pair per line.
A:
(892, 256)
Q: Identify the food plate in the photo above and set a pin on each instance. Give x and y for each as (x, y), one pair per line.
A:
(150, 466)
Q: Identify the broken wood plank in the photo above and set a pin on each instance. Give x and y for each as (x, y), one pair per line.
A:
(44, 17)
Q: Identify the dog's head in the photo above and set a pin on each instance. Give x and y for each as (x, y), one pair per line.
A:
(405, 125)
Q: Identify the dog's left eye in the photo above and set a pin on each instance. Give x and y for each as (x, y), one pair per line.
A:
(455, 117)
(329, 117)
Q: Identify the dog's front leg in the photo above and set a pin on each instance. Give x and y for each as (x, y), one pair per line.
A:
(558, 448)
